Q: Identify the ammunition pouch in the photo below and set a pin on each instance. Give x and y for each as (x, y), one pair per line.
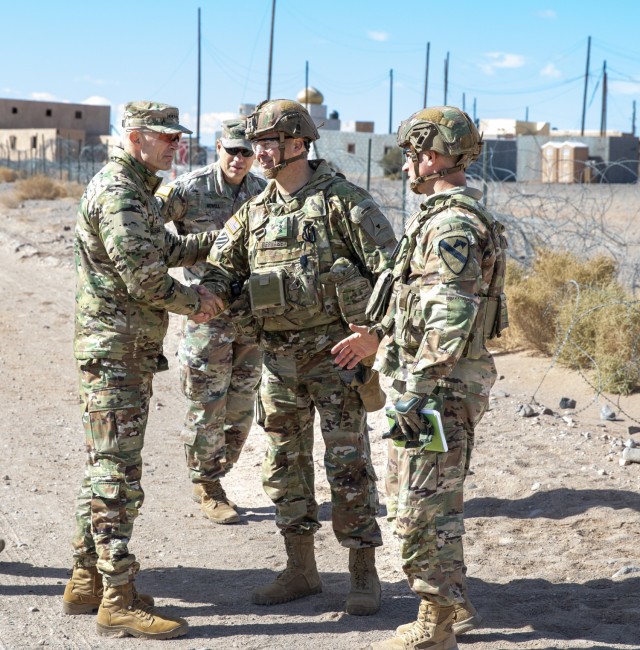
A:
(380, 297)
(266, 293)
(352, 291)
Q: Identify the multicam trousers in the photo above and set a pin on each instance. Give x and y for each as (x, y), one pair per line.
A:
(115, 401)
(429, 518)
(297, 381)
(218, 372)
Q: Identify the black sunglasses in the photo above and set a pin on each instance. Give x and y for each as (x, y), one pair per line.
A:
(234, 151)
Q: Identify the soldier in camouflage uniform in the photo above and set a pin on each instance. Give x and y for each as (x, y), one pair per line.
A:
(308, 249)
(219, 368)
(123, 295)
(439, 303)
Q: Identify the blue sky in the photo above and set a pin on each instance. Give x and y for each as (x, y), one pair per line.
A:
(509, 57)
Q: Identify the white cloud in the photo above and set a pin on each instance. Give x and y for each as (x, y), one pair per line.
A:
(378, 36)
(547, 13)
(550, 70)
(45, 97)
(501, 60)
(625, 87)
(96, 100)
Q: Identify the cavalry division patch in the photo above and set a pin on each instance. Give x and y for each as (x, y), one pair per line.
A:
(454, 252)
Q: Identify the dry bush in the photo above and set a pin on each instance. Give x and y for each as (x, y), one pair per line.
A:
(7, 175)
(9, 200)
(39, 188)
(578, 308)
(74, 190)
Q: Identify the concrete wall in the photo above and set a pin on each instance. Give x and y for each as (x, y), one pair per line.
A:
(348, 151)
(49, 144)
(25, 114)
(497, 162)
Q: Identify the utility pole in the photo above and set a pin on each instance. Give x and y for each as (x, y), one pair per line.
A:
(526, 114)
(464, 102)
(306, 85)
(199, 84)
(475, 119)
(586, 83)
(446, 78)
(273, 17)
(391, 100)
(633, 118)
(603, 116)
(426, 77)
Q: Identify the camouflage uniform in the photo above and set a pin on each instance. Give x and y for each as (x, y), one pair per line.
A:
(286, 249)
(219, 368)
(123, 296)
(436, 320)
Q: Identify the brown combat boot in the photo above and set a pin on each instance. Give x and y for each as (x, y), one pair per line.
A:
(120, 615)
(83, 593)
(465, 619)
(299, 579)
(198, 492)
(431, 631)
(216, 506)
(1, 545)
(364, 597)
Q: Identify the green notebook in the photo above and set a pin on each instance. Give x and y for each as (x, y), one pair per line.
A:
(437, 442)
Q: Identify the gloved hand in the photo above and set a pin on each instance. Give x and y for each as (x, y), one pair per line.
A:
(408, 418)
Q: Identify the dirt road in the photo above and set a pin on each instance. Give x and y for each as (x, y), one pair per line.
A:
(552, 518)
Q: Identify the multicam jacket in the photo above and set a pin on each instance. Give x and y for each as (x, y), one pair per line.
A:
(295, 250)
(202, 200)
(123, 252)
(447, 296)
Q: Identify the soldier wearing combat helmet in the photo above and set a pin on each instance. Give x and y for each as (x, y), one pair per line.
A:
(438, 304)
(309, 249)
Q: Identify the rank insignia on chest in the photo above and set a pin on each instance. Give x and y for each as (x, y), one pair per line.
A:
(454, 252)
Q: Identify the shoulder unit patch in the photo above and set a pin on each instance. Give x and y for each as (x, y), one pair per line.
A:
(454, 252)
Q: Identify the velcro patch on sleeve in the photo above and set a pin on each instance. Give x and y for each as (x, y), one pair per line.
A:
(454, 252)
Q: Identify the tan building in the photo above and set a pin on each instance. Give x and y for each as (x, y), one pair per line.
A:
(50, 130)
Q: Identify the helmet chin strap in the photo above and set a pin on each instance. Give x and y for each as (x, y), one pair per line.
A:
(427, 177)
(273, 171)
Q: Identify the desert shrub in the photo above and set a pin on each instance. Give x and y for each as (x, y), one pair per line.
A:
(578, 308)
(74, 190)
(9, 200)
(39, 187)
(392, 162)
(7, 175)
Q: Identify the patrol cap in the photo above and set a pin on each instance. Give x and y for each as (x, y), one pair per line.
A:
(153, 116)
(234, 134)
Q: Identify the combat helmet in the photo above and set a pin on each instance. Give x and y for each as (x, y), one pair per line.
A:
(445, 129)
(288, 119)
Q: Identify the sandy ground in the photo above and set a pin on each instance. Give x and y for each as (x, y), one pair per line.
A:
(552, 518)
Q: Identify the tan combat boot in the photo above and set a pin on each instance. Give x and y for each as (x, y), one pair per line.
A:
(215, 505)
(299, 579)
(120, 615)
(364, 597)
(1, 545)
(83, 593)
(198, 492)
(465, 619)
(432, 631)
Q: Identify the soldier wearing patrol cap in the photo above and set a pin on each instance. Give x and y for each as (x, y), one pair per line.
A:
(123, 295)
(219, 367)
(308, 248)
(438, 304)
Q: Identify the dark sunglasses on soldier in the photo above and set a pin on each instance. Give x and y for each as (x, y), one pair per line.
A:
(234, 151)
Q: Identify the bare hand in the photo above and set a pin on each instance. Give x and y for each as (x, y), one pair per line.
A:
(210, 305)
(350, 351)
